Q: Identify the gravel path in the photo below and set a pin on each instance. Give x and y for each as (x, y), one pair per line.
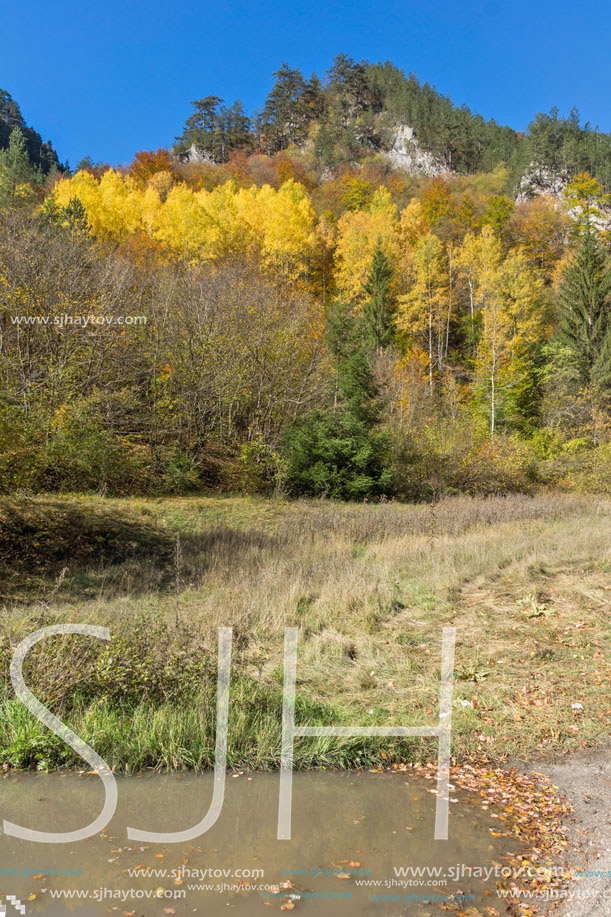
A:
(586, 780)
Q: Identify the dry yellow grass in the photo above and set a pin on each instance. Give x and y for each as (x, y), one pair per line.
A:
(526, 582)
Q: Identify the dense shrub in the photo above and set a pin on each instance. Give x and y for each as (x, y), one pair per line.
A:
(579, 466)
(20, 452)
(450, 458)
(181, 476)
(264, 469)
(339, 456)
(83, 454)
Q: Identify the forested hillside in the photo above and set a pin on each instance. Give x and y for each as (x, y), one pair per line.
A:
(287, 311)
(41, 155)
(356, 110)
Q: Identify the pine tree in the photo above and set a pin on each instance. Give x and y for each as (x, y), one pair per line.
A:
(355, 381)
(324, 147)
(314, 98)
(379, 309)
(10, 111)
(348, 79)
(200, 127)
(201, 122)
(216, 129)
(601, 371)
(285, 114)
(16, 170)
(340, 452)
(238, 127)
(585, 322)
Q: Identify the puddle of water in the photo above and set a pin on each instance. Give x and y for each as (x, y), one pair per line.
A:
(347, 829)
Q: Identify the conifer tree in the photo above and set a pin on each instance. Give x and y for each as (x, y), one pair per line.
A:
(216, 129)
(340, 452)
(379, 309)
(16, 170)
(285, 116)
(585, 322)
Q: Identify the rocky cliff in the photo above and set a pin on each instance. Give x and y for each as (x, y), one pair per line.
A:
(407, 154)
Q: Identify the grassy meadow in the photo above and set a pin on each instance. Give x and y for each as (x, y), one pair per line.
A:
(525, 580)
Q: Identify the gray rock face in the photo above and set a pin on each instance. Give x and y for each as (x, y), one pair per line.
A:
(407, 154)
(196, 154)
(539, 180)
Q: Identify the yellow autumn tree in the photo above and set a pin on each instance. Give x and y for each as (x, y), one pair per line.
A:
(284, 223)
(358, 233)
(506, 318)
(181, 225)
(478, 261)
(512, 321)
(425, 312)
(588, 204)
(407, 387)
(539, 226)
(411, 227)
(277, 225)
(113, 204)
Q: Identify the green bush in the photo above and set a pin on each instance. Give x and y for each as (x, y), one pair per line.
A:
(21, 458)
(580, 466)
(338, 456)
(84, 454)
(264, 468)
(181, 475)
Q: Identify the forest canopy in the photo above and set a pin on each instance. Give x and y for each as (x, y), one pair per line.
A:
(287, 311)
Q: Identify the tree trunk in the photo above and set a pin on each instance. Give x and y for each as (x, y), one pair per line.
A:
(493, 392)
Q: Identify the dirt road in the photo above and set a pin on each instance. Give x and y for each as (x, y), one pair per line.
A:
(586, 780)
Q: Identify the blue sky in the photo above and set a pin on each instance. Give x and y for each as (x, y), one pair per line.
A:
(109, 79)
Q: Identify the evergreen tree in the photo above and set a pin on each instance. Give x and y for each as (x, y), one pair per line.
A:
(215, 129)
(601, 371)
(314, 98)
(585, 323)
(41, 155)
(355, 381)
(339, 452)
(379, 309)
(348, 80)
(201, 125)
(10, 111)
(358, 108)
(238, 127)
(324, 147)
(16, 170)
(285, 114)
(202, 121)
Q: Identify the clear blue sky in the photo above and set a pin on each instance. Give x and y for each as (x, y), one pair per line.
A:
(107, 79)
